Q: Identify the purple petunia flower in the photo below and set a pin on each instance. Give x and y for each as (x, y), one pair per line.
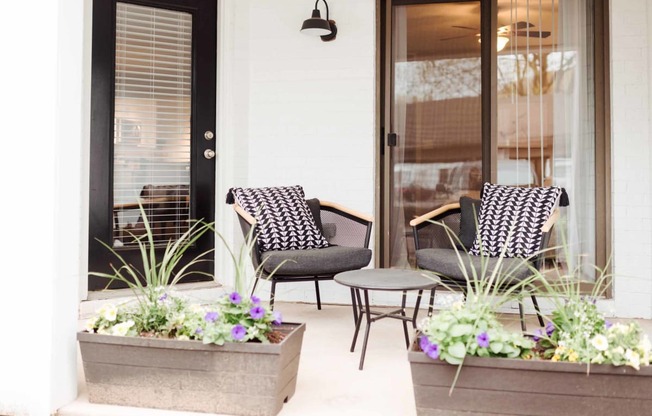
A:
(432, 351)
(278, 319)
(198, 331)
(211, 316)
(163, 298)
(238, 332)
(550, 328)
(483, 340)
(255, 300)
(424, 343)
(537, 335)
(235, 298)
(257, 312)
(607, 324)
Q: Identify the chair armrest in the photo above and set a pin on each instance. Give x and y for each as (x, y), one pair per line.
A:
(345, 226)
(244, 214)
(338, 207)
(552, 220)
(434, 214)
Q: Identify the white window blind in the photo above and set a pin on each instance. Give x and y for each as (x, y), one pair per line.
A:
(152, 124)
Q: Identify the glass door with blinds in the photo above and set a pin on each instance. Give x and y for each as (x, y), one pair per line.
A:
(153, 109)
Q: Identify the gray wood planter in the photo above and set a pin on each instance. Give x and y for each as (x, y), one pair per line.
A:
(521, 387)
(238, 379)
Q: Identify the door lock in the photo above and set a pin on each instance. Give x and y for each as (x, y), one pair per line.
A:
(209, 154)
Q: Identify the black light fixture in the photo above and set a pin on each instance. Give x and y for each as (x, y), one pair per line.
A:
(325, 29)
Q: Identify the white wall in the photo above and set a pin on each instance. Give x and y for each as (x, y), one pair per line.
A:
(304, 109)
(631, 40)
(41, 145)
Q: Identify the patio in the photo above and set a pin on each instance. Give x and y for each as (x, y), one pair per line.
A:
(329, 382)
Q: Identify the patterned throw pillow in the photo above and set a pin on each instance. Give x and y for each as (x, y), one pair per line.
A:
(283, 219)
(513, 217)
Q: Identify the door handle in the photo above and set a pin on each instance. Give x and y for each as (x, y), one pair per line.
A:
(209, 154)
(392, 139)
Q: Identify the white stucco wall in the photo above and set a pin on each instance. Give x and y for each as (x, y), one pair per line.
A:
(304, 108)
(631, 43)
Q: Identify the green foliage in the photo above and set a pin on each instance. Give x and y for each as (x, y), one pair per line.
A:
(159, 312)
(472, 329)
(578, 332)
(157, 270)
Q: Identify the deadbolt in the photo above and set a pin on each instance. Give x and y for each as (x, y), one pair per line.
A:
(209, 154)
(208, 135)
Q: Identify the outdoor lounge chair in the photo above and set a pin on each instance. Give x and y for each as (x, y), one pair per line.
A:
(439, 252)
(345, 233)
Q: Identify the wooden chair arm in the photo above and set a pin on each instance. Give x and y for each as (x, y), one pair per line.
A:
(351, 212)
(435, 213)
(552, 220)
(244, 214)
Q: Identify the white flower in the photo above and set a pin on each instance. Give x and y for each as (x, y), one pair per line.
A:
(645, 347)
(600, 342)
(108, 312)
(178, 319)
(183, 338)
(457, 305)
(196, 308)
(633, 359)
(104, 331)
(122, 328)
(90, 324)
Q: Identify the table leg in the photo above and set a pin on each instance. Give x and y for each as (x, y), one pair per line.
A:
(416, 310)
(355, 307)
(432, 300)
(358, 319)
(366, 332)
(405, 330)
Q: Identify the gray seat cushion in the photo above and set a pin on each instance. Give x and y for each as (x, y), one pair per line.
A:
(445, 262)
(321, 261)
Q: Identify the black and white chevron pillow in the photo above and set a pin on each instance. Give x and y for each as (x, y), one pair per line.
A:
(511, 218)
(283, 219)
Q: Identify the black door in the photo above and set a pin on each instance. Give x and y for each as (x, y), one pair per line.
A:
(152, 126)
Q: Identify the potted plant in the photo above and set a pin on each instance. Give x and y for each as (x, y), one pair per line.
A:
(161, 351)
(464, 362)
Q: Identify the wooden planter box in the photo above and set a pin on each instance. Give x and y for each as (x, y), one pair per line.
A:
(522, 387)
(237, 379)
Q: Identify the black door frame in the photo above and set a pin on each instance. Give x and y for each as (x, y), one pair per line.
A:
(488, 28)
(203, 110)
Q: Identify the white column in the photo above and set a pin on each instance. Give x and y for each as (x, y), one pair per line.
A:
(40, 171)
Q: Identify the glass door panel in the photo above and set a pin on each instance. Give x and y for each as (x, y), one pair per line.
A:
(436, 113)
(546, 120)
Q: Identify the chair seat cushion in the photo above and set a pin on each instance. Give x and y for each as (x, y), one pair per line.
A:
(322, 261)
(446, 264)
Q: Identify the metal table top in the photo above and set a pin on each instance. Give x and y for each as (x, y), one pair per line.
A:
(387, 279)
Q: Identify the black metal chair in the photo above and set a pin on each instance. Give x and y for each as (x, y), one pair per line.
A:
(347, 232)
(437, 252)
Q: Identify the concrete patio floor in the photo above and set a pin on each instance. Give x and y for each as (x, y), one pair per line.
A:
(329, 382)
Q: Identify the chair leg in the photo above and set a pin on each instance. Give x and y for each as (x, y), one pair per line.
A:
(536, 307)
(317, 293)
(272, 295)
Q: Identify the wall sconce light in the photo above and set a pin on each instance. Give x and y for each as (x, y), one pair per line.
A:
(324, 28)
